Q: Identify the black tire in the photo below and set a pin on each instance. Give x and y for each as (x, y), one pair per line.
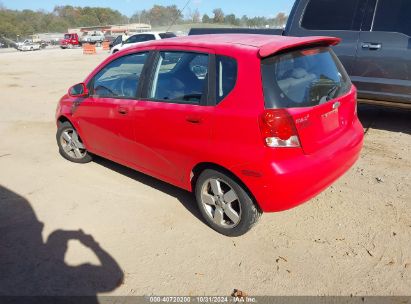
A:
(249, 213)
(63, 127)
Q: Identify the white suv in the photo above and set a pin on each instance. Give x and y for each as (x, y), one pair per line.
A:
(142, 37)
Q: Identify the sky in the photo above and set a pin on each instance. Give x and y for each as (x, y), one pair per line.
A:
(266, 8)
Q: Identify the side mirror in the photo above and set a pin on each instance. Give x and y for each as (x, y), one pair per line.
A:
(78, 90)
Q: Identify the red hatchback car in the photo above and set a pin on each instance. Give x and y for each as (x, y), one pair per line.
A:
(249, 123)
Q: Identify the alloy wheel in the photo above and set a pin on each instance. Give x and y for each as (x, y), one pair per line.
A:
(221, 203)
(71, 144)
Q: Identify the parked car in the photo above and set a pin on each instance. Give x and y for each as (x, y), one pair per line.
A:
(29, 46)
(25, 41)
(249, 123)
(375, 47)
(69, 41)
(142, 37)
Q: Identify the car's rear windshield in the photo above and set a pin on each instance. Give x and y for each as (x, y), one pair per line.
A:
(167, 35)
(303, 78)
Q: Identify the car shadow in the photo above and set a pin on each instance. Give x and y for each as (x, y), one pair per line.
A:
(384, 118)
(36, 269)
(186, 198)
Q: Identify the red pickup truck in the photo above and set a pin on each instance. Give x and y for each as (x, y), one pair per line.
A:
(70, 41)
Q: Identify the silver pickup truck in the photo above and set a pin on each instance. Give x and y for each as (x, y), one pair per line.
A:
(93, 37)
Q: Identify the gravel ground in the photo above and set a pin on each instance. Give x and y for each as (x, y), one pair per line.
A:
(101, 228)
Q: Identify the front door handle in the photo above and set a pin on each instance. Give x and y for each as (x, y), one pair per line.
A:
(193, 119)
(372, 46)
(123, 110)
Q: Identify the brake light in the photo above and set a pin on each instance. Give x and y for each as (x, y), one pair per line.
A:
(278, 129)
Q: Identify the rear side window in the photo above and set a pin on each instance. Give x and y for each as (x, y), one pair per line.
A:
(226, 70)
(303, 78)
(167, 35)
(333, 15)
(393, 16)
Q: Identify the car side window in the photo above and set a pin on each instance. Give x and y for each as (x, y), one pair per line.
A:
(333, 15)
(148, 37)
(226, 72)
(117, 40)
(180, 77)
(393, 16)
(134, 39)
(120, 78)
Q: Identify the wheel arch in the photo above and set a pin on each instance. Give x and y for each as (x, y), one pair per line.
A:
(63, 118)
(200, 167)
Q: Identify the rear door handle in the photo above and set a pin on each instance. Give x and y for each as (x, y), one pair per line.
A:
(123, 110)
(371, 46)
(193, 119)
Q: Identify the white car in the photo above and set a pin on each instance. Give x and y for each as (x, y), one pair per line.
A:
(29, 46)
(141, 37)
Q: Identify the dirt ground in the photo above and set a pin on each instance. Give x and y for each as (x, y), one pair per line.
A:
(142, 236)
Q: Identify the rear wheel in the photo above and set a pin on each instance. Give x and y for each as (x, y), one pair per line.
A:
(225, 204)
(70, 144)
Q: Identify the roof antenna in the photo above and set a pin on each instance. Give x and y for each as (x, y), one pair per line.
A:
(179, 12)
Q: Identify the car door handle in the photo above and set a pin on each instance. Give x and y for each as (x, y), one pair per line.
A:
(123, 111)
(193, 119)
(372, 46)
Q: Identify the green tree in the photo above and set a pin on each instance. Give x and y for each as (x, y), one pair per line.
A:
(206, 19)
(218, 15)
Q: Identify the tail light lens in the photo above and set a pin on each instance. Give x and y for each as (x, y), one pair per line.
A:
(278, 129)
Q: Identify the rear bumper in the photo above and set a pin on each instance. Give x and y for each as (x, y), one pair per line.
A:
(293, 180)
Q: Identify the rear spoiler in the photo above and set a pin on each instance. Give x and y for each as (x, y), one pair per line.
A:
(287, 43)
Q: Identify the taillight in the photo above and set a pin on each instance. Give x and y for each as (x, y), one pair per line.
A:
(278, 129)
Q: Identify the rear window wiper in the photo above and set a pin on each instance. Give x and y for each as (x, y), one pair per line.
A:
(332, 92)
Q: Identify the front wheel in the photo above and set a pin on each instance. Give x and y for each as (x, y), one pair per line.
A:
(70, 144)
(225, 204)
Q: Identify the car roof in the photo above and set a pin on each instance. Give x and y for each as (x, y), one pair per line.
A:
(265, 45)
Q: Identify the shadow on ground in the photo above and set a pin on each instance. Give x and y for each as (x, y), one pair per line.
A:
(186, 198)
(29, 266)
(384, 118)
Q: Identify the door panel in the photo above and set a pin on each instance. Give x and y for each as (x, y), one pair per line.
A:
(383, 65)
(106, 124)
(172, 124)
(383, 73)
(170, 137)
(335, 18)
(106, 117)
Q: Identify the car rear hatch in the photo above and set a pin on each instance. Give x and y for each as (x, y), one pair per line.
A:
(309, 83)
